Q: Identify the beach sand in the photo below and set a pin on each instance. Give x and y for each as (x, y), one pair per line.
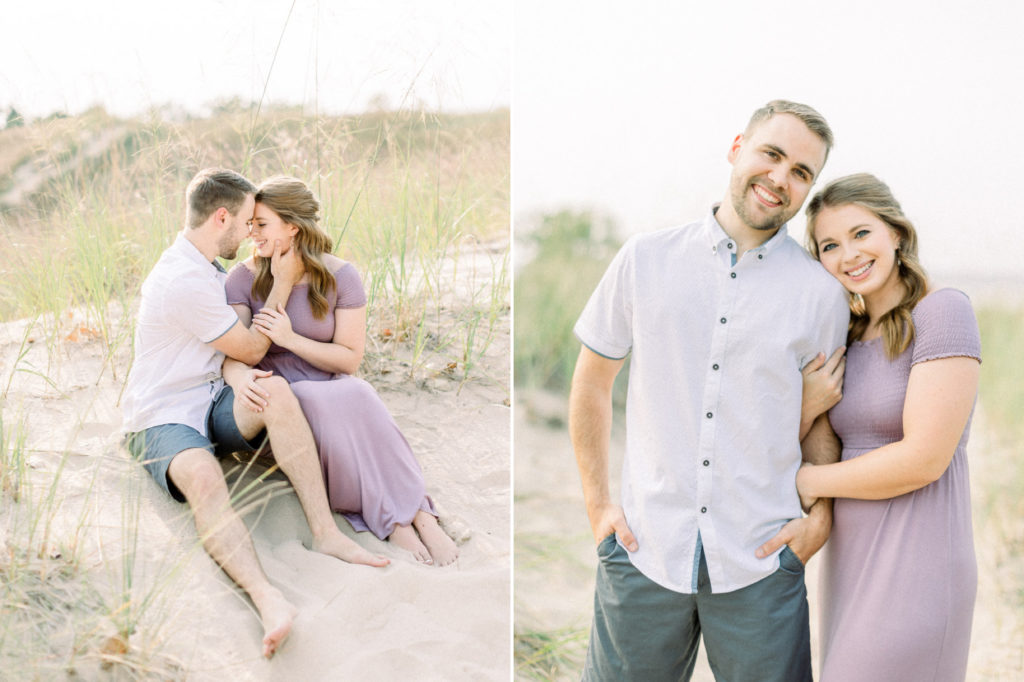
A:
(555, 560)
(406, 621)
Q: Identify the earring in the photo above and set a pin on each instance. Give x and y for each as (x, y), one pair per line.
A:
(899, 263)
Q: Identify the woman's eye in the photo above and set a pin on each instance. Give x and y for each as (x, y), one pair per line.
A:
(863, 233)
(827, 247)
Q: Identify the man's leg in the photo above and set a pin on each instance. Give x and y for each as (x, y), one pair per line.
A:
(641, 630)
(759, 632)
(198, 475)
(296, 454)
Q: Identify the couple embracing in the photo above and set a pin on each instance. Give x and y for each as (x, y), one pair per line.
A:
(734, 422)
(264, 356)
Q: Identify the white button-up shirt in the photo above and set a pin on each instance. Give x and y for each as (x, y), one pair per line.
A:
(176, 373)
(714, 395)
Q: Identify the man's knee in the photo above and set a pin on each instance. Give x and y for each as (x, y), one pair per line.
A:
(197, 474)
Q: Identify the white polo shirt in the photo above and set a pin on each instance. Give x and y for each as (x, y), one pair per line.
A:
(176, 373)
(713, 402)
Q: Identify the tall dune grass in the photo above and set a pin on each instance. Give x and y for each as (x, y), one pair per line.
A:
(417, 200)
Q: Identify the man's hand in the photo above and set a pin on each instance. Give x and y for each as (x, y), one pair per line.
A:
(286, 267)
(805, 536)
(610, 519)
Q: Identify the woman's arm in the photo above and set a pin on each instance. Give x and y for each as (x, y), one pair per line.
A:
(940, 397)
(341, 355)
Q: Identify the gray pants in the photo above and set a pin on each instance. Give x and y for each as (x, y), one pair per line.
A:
(643, 631)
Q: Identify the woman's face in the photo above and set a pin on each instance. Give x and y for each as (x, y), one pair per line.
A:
(266, 227)
(858, 249)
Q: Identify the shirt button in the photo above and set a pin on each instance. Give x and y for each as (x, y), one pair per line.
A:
(703, 510)
(722, 320)
(729, 245)
(760, 256)
(733, 275)
(714, 366)
(706, 463)
(709, 415)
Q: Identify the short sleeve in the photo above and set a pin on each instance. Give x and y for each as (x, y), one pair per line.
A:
(945, 327)
(349, 287)
(606, 324)
(239, 285)
(199, 305)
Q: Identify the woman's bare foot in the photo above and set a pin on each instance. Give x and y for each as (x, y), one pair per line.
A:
(277, 615)
(406, 538)
(441, 547)
(341, 547)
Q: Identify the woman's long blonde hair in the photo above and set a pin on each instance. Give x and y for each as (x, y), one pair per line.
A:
(871, 194)
(295, 204)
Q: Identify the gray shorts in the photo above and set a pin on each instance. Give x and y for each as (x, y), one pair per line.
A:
(643, 631)
(156, 446)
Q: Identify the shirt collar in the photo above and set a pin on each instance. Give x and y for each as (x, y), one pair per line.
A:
(718, 239)
(189, 250)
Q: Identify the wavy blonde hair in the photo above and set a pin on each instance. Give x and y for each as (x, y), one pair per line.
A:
(293, 201)
(871, 194)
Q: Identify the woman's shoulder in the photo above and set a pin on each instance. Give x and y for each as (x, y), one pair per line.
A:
(335, 264)
(943, 302)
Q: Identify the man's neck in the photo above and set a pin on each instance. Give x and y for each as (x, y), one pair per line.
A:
(744, 236)
(197, 238)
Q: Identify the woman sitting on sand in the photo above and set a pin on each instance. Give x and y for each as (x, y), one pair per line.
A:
(371, 473)
(900, 573)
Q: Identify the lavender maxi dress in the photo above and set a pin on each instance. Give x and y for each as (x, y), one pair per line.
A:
(900, 575)
(371, 473)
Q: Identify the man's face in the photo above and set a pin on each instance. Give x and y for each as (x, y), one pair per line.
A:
(773, 170)
(237, 229)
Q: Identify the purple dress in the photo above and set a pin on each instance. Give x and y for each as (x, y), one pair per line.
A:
(371, 473)
(900, 576)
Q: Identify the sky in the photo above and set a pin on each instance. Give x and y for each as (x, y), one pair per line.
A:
(67, 55)
(628, 109)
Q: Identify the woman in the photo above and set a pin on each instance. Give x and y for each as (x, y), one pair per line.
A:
(900, 574)
(371, 473)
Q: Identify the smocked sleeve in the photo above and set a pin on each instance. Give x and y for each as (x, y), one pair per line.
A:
(349, 287)
(945, 327)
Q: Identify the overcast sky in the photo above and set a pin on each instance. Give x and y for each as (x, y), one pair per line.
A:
(629, 108)
(67, 55)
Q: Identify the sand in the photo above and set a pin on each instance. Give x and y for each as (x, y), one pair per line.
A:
(406, 621)
(555, 560)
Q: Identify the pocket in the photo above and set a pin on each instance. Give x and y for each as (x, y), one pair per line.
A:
(789, 562)
(607, 546)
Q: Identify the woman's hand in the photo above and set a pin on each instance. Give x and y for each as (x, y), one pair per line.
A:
(823, 384)
(248, 391)
(806, 501)
(275, 325)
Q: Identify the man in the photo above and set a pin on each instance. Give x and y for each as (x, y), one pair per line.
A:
(719, 316)
(180, 416)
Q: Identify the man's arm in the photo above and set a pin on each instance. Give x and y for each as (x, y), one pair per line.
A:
(590, 427)
(806, 535)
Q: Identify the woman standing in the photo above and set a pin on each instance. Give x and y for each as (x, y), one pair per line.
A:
(900, 573)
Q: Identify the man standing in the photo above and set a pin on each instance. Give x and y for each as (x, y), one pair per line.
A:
(180, 416)
(719, 317)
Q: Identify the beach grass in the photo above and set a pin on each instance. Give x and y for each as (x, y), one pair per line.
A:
(550, 654)
(418, 201)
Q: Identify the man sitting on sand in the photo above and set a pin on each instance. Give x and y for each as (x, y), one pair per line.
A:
(180, 416)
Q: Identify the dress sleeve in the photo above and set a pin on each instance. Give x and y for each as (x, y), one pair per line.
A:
(239, 285)
(349, 287)
(945, 327)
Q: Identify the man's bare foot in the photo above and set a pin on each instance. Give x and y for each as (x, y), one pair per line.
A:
(341, 547)
(277, 615)
(441, 547)
(406, 538)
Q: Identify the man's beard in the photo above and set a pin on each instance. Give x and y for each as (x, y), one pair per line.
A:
(758, 222)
